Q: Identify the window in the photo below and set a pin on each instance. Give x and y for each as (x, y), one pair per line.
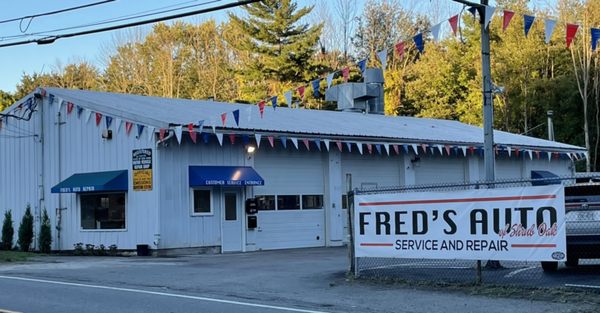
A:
(202, 202)
(288, 202)
(312, 202)
(266, 203)
(102, 211)
(344, 201)
(230, 206)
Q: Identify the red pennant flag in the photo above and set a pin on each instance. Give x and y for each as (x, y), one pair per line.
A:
(98, 118)
(232, 138)
(508, 15)
(517, 152)
(346, 73)
(400, 49)
(306, 143)
(224, 118)
(301, 92)
(339, 145)
(424, 147)
(396, 149)
(161, 134)
(447, 147)
(471, 150)
(537, 154)
(555, 155)
(454, 23)
(261, 108)
(571, 32)
(370, 148)
(69, 107)
(192, 132)
(128, 127)
(271, 141)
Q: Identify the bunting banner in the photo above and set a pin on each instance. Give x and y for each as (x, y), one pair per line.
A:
(435, 32)
(346, 74)
(507, 17)
(415, 149)
(527, 23)
(378, 148)
(98, 118)
(151, 133)
(108, 120)
(245, 139)
(219, 138)
(236, 117)
(349, 146)
(232, 138)
(386, 146)
(206, 137)
(257, 137)
(382, 56)
(118, 123)
(315, 86)
(330, 79)
(79, 111)
(549, 26)
(192, 132)
(288, 98)
(595, 34)
(362, 65)
(339, 145)
(418, 39)
(200, 125)
(128, 127)
(472, 10)
(161, 134)
(318, 144)
(69, 107)
(273, 102)
(326, 142)
(360, 147)
(283, 141)
(223, 119)
(396, 149)
(271, 141)
(306, 144)
(261, 108)
(140, 130)
(300, 91)
(489, 13)
(571, 32)
(295, 142)
(454, 24)
(399, 47)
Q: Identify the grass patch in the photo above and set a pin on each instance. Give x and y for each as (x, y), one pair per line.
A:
(15, 256)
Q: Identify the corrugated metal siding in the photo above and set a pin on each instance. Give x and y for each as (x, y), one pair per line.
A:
(439, 169)
(178, 227)
(370, 171)
(508, 168)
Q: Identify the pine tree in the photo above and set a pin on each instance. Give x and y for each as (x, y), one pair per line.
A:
(26, 230)
(45, 237)
(279, 46)
(7, 231)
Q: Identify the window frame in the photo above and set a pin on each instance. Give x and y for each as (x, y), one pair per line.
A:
(312, 195)
(274, 202)
(79, 213)
(192, 198)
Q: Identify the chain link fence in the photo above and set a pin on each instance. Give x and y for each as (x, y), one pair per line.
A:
(582, 197)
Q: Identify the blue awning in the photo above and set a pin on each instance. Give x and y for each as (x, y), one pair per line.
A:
(224, 176)
(93, 182)
(542, 178)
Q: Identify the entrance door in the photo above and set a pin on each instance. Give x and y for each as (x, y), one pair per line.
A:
(232, 222)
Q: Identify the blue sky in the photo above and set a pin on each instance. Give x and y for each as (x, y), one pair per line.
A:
(14, 61)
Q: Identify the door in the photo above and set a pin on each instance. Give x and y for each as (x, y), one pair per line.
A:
(232, 222)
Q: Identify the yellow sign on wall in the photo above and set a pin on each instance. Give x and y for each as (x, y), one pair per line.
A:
(142, 169)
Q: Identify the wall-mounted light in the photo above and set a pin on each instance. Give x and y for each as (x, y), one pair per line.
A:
(415, 161)
(250, 149)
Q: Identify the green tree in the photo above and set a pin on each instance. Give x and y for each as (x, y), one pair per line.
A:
(6, 99)
(26, 230)
(281, 46)
(7, 231)
(45, 237)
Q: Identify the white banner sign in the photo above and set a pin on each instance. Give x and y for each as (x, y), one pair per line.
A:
(520, 224)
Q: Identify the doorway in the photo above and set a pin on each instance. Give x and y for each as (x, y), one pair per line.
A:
(232, 240)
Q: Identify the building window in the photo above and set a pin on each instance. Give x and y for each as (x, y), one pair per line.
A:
(266, 203)
(102, 211)
(202, 202)
(312, 202)
(344, 201)
(288, 202)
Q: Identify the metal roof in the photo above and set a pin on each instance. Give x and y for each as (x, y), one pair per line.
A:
(164, 112)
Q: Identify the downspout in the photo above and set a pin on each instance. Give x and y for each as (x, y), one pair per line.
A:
(59, 209)
(169, 136)
(156, 175)
(42, 190)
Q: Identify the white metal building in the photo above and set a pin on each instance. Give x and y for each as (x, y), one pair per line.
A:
(138, 185)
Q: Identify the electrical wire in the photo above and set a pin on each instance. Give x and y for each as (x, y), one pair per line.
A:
(52, 38)
(161, 10)
(30, 18)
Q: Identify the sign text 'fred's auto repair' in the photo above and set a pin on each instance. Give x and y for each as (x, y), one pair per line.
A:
(525, 224)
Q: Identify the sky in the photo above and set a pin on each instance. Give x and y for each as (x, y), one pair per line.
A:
(15, 61)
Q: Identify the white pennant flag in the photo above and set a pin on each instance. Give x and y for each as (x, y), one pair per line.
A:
(87, 115)
(441, 149)
(415, 148)
(382, 55)
(178, 133)
(360, 147)
(288, 98)
(118, 124)
(464, 150)
(508, 149)
(295, 142)
(60, 104)
(435, 32)
(213, 125)
(151, 133)
(530, 154)
(220, 138)
(549, 26)
(257, 137)
(387, 148)
(570, 156)
(329, 80)
(489, 13)
(549, 156)
(326, 141)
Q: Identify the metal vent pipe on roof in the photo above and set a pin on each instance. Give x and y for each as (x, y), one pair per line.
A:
(366, 96)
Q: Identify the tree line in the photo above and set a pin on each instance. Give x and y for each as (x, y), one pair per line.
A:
(276, 46)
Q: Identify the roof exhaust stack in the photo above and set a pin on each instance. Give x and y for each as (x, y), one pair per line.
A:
(362, 97)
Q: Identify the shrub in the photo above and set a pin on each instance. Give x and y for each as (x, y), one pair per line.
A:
(45, 237)
(78, 248)
(101, 250)
(89, 249)
(7, 231)
(113, 250)
(26, 230)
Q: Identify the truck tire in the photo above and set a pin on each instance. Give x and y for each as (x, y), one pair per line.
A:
(550, 267)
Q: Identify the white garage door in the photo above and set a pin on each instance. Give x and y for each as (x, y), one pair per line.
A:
(295, 189)
(508, 168)
(437, 170)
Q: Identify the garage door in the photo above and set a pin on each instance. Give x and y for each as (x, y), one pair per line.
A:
(508, 169)
(291, 212)
(437, 170)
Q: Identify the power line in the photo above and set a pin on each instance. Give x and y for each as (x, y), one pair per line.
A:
(122, 18)
(31, 17)
(53, 38)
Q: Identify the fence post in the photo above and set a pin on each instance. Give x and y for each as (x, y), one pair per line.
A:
(351, 252)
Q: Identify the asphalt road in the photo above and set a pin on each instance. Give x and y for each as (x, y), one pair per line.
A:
(301, 280)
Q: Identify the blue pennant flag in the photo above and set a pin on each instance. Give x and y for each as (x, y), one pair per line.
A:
(473, 10)
(108, 120)
(349, 146)
(51, 98)
(274, 102)
(205, 137)
(528, 22)
(595, 37)
(236, 117)
(318, 144)
(283, 141)
(480, 152)
(405, 147)
(362, 65)
(418, 39)
(140, 129)
(316, 85)
(79, 111)
(245, 139)
(378, 148)
(200, 125)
